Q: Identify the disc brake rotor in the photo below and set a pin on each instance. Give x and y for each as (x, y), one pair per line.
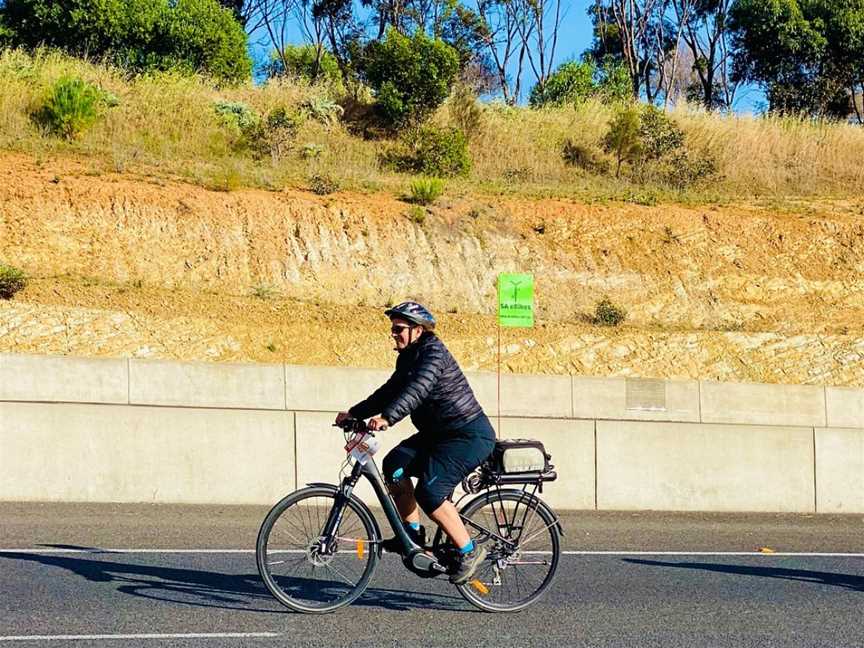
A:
(314, 555)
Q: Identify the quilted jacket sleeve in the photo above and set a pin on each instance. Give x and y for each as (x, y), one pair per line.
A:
(379, 398)
(421, 380)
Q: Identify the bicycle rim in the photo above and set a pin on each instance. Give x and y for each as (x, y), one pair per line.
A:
(290, 565)
(511, 579)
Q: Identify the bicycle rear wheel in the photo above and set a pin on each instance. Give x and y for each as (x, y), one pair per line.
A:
(520, 533)
(289, 560)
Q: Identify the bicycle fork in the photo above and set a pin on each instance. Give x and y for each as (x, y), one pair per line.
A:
(328, 540)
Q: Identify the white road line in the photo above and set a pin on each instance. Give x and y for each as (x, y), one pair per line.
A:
(197, 635)
(802, 554)
(101, 550)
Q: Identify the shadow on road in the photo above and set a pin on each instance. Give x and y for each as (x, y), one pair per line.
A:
(847, 581)
(215, 589)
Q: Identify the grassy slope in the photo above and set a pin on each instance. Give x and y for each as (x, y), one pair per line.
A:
(165, 125)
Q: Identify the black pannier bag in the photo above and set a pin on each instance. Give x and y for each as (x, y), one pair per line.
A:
(520, 456)
(512, 462)
(519, 461)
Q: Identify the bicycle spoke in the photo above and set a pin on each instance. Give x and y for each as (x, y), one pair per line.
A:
(520, 578)
(339, 574)
(310, 581)
(529, 538)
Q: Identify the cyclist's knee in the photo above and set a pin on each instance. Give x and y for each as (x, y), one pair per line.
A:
(429, 499)
(393, 470)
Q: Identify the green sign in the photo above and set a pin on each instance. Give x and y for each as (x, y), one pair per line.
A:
(516, 300)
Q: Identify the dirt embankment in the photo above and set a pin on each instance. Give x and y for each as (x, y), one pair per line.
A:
(132, 266)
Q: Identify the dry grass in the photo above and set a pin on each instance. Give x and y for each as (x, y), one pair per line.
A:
(165, 124)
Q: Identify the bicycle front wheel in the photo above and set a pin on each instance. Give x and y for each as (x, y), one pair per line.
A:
(291, 565)
(520, 534)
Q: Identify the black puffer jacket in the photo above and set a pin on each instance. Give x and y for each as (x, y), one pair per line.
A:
(428, 385)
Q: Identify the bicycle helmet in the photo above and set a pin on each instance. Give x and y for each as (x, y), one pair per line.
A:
(413, 312)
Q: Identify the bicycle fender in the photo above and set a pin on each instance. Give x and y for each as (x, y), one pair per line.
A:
(488, 495)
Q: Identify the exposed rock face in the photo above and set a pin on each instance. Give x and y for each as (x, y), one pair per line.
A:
(733, 293)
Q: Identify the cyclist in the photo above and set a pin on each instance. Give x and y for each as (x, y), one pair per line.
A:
(454, 435)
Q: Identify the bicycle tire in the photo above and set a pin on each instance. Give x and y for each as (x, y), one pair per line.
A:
(544, 550)
(302, 526)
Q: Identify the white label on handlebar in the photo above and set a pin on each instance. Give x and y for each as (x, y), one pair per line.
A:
(362, 446)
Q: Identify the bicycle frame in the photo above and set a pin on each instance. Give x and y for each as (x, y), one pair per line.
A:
(414, 556)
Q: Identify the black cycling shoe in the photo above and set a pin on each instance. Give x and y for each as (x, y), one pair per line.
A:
(394, 544)
(468, 564)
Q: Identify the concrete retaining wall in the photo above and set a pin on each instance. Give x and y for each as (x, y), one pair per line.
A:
(152, 431)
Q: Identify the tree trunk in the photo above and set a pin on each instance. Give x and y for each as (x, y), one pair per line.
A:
(855, 97)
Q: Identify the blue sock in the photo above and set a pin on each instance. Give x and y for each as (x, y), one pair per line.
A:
(414, 525)
(468, 548)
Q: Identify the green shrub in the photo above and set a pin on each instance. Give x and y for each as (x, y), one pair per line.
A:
(623, 140)
(206, 37)
(572, 82)
(323, 184)
(417, 214)
(659, 134)
(121, 29)
(237, 114)
(311, 151)
(411, 76)
(608, 314)
(195, 35)
(425, 191)
(306, 62)
(583, 157)
(654, 146)
(324, 111)
(685, 168)
(278, 132)
(6, 34)
(576, 81)
(263, 291)
(71, 106)
(431, 151)
(274, 135)
(11, 281)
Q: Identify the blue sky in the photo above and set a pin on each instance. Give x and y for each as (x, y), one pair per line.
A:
(574, 38)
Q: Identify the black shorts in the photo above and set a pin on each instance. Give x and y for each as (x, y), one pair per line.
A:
(440, 460)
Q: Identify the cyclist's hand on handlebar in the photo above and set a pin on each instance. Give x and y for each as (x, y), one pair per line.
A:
(377, 423)
(341, 416)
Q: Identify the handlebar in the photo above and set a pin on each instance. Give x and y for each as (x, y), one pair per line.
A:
(354, 425)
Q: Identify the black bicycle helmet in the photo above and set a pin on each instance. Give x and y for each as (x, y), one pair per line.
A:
(413, 312)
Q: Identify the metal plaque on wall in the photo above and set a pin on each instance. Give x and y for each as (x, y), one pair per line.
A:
(646, 394)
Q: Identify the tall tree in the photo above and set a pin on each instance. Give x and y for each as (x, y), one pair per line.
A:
(539, 34)
(704, 32)
(638, 34)
(806, 55)
(843, 27)
(500, 26)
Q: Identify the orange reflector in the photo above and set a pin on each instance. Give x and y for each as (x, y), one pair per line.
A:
(480, 587)
(360, 549)
(766, 550)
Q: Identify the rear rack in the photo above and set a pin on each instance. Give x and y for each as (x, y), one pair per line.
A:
(533, 477)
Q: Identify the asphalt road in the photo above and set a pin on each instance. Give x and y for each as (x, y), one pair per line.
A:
(108, 576)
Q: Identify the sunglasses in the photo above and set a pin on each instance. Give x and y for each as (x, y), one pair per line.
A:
(397, 329)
